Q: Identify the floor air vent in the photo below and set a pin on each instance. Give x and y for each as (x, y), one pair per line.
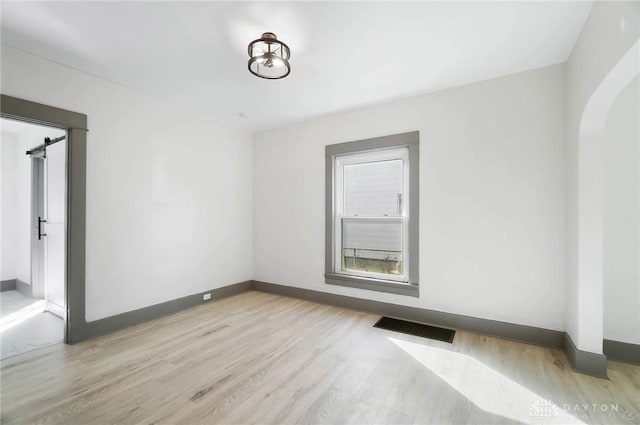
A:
(416, 329)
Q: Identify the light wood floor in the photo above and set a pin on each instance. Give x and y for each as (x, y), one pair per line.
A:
(261, 358)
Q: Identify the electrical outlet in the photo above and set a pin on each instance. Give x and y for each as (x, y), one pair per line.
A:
(206, 296)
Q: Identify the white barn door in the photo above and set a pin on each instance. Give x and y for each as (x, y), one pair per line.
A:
(55, 241)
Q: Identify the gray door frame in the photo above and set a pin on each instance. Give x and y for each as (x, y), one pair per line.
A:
(76, 126)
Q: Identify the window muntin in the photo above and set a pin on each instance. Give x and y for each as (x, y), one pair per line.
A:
(371, 214)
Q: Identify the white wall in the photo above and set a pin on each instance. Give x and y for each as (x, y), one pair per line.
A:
(2, 203)
(622, 219)
(609, 32)
(492, 205)
(168, 189)
(9, 215)
(28, 138)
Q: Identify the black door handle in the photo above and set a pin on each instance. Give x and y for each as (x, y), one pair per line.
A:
(40, 234)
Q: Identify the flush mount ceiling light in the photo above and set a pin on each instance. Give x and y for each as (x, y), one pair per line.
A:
(269, 57)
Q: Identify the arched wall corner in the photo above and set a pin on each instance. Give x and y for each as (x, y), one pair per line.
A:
(590, 199)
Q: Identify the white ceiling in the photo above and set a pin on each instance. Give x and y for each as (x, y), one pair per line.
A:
(343, 55)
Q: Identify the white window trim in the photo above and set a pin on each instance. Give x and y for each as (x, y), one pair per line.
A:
(339, 215)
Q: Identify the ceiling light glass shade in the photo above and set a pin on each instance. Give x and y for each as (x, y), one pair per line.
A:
(269, 57)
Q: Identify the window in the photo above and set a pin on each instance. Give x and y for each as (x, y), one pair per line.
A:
(372, 214)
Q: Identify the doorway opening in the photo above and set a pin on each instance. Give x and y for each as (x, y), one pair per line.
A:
(75, 125)
(33, 219)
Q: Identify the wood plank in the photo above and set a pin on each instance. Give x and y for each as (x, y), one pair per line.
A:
(258, 358)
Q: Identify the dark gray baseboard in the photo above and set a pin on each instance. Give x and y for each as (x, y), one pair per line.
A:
(24, 288)
(510, 331)
(18, 285)
(622, 351)
(581, 361)
(145, 314)
(585, 362)
(7, 285)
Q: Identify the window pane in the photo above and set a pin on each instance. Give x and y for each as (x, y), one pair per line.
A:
(373, 188)
(372, 245)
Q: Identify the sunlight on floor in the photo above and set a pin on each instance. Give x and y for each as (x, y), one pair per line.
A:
(485, 387)
(21, 315)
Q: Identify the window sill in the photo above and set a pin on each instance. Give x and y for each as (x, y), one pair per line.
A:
(379, 285)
